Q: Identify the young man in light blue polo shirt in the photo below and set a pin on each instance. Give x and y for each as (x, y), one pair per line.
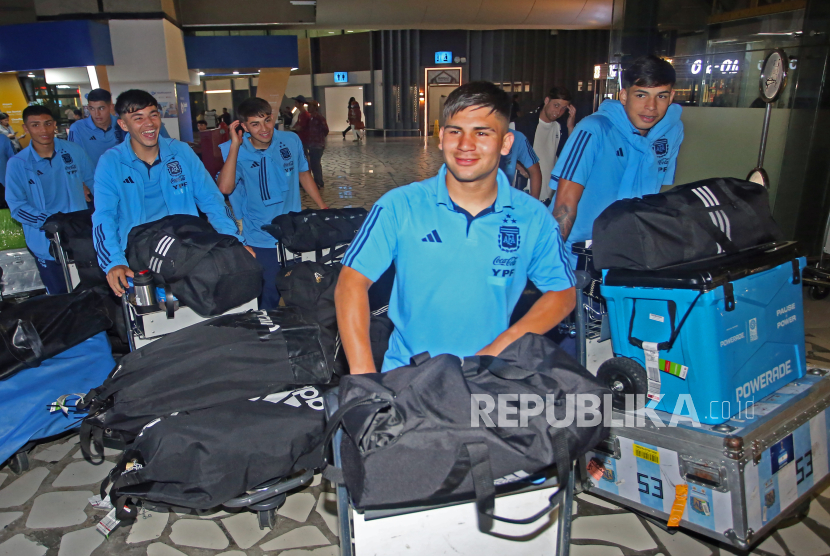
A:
(145, 179)
(522, 151)
(627, 149)
(263, 172)
(464, 244)
(100, 132)
(49, 176)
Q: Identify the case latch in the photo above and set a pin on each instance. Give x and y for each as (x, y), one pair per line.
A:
(728, 297)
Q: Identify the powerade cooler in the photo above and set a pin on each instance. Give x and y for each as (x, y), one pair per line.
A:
(726, 331)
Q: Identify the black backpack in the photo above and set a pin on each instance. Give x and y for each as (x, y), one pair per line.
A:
(208, 271)
(202, 458)
(227, 358)
(396, 421)
(314, 230)
(717, 216)
(44, 326)
(75, 229)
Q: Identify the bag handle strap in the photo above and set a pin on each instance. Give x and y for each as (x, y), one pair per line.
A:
(495, 366)
(92, 436)
(334, 421)
(675, 331)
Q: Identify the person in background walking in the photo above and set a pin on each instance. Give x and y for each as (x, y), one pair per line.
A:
(6, 129)
(355, 120)
(313, 130)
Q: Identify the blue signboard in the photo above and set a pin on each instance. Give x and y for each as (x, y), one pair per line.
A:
(443, 57)
(341, 77)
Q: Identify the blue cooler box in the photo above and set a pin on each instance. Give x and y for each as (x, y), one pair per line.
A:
(738, 322)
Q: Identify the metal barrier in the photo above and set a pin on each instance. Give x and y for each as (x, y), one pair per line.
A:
(385, 130)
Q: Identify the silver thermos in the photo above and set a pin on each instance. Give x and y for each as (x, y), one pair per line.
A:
(145, 293)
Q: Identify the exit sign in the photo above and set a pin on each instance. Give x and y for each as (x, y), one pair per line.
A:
(443, 57)
(341, 77)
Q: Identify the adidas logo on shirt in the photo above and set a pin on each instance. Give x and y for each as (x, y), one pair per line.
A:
(433, 237)
(92, 138)
(620, 152)
(129, 180)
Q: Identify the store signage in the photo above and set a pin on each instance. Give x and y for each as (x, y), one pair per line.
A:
(341, 77)
(727, 66)
(443, 57)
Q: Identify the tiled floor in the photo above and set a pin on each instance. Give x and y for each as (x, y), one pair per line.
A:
(46, 512)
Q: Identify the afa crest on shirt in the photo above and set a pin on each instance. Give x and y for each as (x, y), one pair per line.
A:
(174, 168)
(285, 152)
(661, 146)
(509, 238)
(67, 158)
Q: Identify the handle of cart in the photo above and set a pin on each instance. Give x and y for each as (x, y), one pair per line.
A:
(345, 507)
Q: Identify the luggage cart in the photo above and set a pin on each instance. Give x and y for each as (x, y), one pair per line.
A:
(816, 275)
(589, 324)
(452, 528)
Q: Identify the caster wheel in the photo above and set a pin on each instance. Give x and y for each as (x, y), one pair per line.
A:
(19, 463)
(267, 519)
(623, 376)
(818, 293)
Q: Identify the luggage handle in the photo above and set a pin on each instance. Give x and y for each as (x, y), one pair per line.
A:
(675, 331)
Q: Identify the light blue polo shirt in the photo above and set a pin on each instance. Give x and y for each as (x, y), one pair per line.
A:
(522, 151)
(94, 140)
(267, 183)
(457, 277)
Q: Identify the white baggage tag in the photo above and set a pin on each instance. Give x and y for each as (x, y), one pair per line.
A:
(652, 369)
(99, 504)
(108, 524)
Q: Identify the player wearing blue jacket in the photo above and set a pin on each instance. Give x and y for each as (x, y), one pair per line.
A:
(263, 172)
(464, 244)
(522, 152)
(100, 132)
(145, 179)
(6, 152)
(49, 176)
(627, 149)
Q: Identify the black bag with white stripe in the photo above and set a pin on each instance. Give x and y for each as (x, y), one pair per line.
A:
(207, 271)
(707, 218)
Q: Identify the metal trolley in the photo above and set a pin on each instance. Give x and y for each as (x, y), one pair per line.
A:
(452, 528)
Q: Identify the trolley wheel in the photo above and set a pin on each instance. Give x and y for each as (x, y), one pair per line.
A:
(818, 293)
(19, 463)
(267, 519)
(623, 376)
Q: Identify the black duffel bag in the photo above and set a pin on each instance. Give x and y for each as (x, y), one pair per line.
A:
(75, 229)
(208, 271)
(316, 229)
(203, 458)
(688, 223)
(44, 326)
(397, 421)
(227, 358)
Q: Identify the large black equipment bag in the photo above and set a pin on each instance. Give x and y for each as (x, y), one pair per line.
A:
(75, 231)
(44, 326)
(688, 223)
(227, 358)
(200, 459)
(398, 420)
(314, 230)
(208, 271)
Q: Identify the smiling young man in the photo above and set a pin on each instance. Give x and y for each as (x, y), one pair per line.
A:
(263, 172)
(464, 244)
(145, 179)
(100, 131)
(627, 149)
(49, 176)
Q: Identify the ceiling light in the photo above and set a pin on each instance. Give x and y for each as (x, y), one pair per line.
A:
(294, 69)
(31, 75)
(93, 77)
(350, 31)
(236, 73)
(64, 87)
(331, 32)
(219, 91)
(201, 73)
(304, 2)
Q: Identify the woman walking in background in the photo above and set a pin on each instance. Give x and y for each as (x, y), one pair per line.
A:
(355, 120)
(313, 137)
(349, 108)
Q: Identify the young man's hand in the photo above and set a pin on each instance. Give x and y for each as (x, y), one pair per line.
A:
(87, 194)
(117, 278)
(236, 137)
(571, 118)
(251, 251)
